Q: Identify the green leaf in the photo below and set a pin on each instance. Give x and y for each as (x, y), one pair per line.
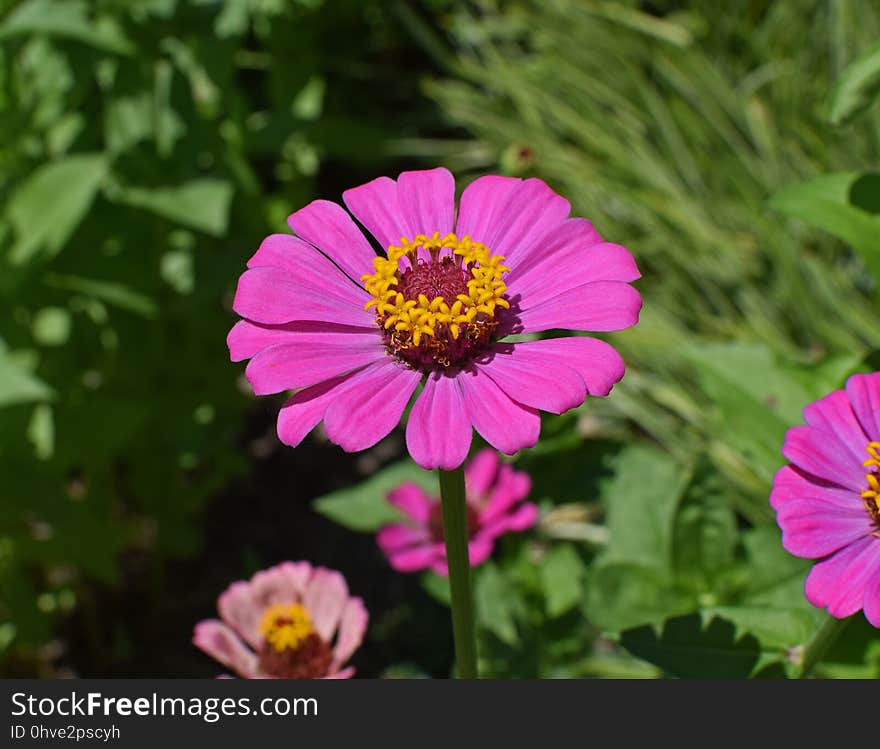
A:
(364, 506)
(641, 501)
(41, 431)
(856, 89)
(620, 596)
(437, 587)
(691, 650)
(111, 292)
(51, 326)
(498, 603)
(46, 209)
(562, 579)
(202, 204)
(17, 384)
(68, 19)
(825, 203)
(705, 531)
(755, 398)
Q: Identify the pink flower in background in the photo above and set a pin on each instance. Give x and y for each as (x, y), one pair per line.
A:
(355, 333)
(827, 501)
(495, 494)
(292, 621)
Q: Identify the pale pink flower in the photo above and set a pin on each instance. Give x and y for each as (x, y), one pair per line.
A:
(495, 494)
(356, 334)
(291, 621)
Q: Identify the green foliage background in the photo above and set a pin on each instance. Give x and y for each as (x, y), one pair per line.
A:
(147, 146)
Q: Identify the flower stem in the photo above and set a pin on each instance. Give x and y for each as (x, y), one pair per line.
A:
(455, 533)
(823, 639)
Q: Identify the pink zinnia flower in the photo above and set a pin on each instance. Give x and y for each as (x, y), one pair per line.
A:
(281, 625)
(356, 334)
(828, 501)
(495, 506)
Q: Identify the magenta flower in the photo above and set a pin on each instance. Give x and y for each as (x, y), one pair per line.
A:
(281, 624)
(355, 333)
(495, 506)
(828, 501)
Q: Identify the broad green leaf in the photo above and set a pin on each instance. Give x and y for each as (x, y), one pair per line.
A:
(68, 19)
(775, 628)
(756, 400)
(825, 203)
(364, 506)
(562, 579)
(46, 209)
(641, 502)
(202, 204)
(705, 532)
(620, 596)
(856, 89)
(691, 649)
(18, 385)
(498, 603)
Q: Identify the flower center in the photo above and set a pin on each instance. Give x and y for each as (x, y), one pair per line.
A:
(436, 299)
(291, 648)
(871, 495)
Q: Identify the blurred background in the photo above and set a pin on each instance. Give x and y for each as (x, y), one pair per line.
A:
(146, 148)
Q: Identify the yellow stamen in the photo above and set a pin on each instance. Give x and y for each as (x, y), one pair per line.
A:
(285, 626)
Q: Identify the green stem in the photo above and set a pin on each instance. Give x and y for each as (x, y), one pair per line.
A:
(816, 648)
(455, 533)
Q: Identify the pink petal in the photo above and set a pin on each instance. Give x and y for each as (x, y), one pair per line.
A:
(482, 207)
(598, 364)
(480, 473)
(369, 405)
(838, 582)
(427, 200)
(479, 550)
(535, 380)
(511, 487)
(396, 537)
(346, 673)
(562, 248)
(872, 601)
(247, 338)
(271, 296)
(504, 424)
(531, 211)
(328, 227)
(863, 391)
(601, 262)
(599, 306)
(238, 608)
(415, 558)
(220, 642)
(302, 412)
(352, 627)
(523, 517)
(814, 529)
(791, 484)
(283, 583)
(438, 433)
(376, 206)
(311, 357)
(823, 455)
(833, 414)
(412, 500)
(325, 597)
(306, 264)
